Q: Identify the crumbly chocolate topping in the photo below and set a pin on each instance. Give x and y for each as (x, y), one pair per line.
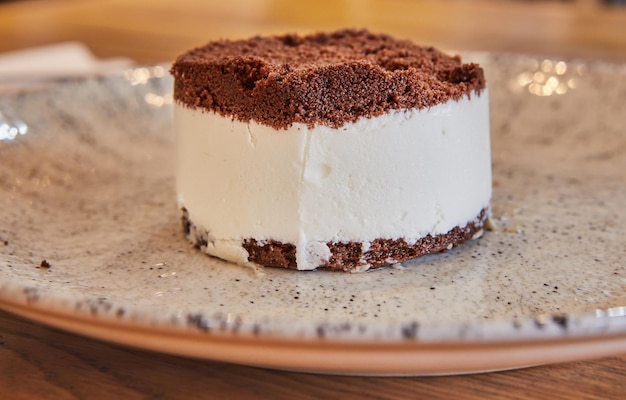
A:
(349, 256)
(319, 79)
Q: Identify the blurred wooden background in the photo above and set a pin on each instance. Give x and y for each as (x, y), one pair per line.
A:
(151, 31)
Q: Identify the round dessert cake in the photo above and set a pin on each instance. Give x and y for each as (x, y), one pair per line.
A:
(343, 151)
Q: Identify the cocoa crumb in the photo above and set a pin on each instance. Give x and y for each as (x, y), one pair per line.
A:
(45, 264)
(320, 79)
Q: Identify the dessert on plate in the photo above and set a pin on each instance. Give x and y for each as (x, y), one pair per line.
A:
(345, 151)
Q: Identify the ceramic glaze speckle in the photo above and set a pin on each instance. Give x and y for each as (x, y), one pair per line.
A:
(89, 188)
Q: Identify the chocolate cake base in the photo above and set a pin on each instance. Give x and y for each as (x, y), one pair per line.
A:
(348, 256)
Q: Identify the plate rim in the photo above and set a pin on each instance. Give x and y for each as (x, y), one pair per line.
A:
(408, 358)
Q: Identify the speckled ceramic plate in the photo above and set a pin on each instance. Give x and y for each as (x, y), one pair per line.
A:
(91, 240)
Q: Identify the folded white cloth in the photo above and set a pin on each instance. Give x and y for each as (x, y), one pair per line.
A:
(42, 64)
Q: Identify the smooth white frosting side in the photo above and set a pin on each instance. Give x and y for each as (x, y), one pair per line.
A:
(405, 174)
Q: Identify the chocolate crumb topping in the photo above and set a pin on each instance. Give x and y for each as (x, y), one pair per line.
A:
(320, 79)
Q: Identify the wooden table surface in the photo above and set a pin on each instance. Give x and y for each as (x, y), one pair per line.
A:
(37, 362)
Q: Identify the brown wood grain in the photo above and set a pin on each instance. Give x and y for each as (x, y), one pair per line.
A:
(37, 362)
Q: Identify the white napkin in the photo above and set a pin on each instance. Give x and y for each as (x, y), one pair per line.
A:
(34, 66)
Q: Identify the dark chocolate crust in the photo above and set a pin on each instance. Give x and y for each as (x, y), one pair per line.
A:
(320, 79)
(349, 256)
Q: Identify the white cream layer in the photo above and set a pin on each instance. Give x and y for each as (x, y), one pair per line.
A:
(405, 174)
